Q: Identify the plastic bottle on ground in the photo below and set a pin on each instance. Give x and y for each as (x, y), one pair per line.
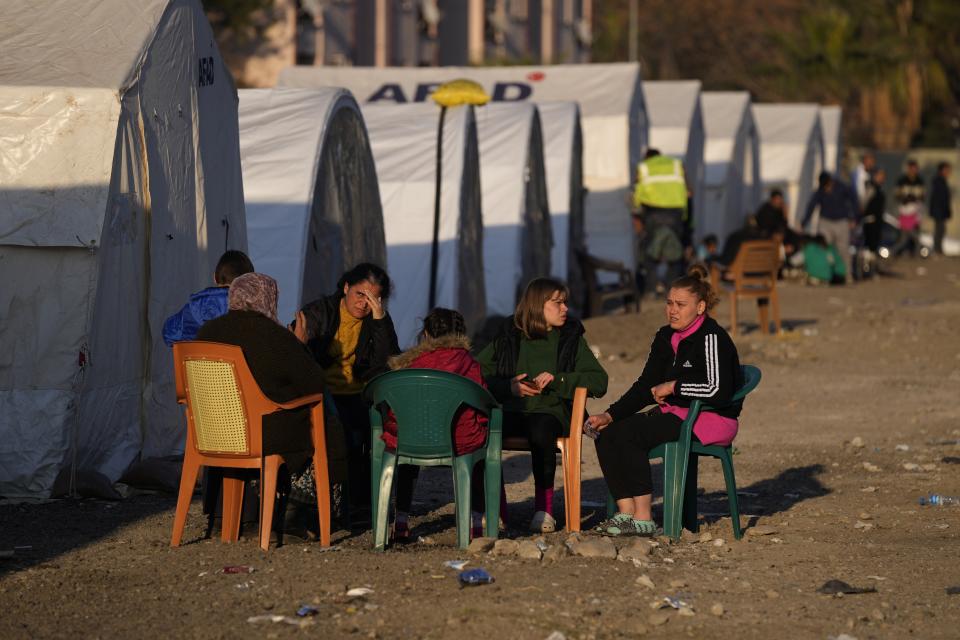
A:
(937, 500)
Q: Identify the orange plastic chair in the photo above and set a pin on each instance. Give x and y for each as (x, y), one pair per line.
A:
(225, 409)
(570, 448)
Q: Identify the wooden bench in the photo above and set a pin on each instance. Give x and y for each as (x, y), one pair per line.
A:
(598, 294)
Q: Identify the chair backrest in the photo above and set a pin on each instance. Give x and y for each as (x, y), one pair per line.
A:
(757, 262)
(425, 403)
(215, 383)
(751, 378)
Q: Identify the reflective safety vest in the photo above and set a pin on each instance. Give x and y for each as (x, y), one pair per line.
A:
(660, 183)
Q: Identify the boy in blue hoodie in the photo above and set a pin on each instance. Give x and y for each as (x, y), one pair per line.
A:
(207, 304)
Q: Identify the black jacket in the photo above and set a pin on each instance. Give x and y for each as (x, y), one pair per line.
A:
(377, 342)
(282, 368)
(706, 367)
(940, 199)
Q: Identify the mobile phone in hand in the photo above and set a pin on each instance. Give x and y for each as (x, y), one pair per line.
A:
(590, 431)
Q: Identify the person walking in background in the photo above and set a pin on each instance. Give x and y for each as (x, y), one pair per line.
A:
(861, 179)
(940, 205)
(661, 197)
(910, 197)
(533, 367)
(351, 336)
(873, 221)
(207, 304)
(838, 214)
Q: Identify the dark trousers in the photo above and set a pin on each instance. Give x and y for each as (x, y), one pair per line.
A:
(406, 481)
(541, 431)
(623, 446)
(353, 414)
(939, 231)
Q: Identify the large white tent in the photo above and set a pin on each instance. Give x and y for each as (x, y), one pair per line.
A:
(313, 207)
(120, 186)
(791, 151)
(831, 120)
(676, 128)
(613, 117)
(563, 156)
(517, 238)
(732, 188)
(404, 143)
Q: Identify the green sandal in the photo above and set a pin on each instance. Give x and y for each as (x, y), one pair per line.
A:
(623, 524)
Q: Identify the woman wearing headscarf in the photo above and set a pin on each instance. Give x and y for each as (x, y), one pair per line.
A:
(280, 363)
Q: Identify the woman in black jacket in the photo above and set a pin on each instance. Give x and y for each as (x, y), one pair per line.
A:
(691, 358)
(351, 337)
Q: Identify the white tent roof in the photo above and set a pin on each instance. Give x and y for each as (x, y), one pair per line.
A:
(313, 207)
(563, 156)
(121, 160)
(831, 121)
(404, 144)
(517, 238)
(732, 157)
(791, 150)
(613, 118)
(676, 127)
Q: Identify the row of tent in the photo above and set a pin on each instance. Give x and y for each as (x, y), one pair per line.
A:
(126, 170)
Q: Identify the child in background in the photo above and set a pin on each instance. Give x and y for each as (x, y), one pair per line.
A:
(443, 346)
(708, 249)
(207, 304)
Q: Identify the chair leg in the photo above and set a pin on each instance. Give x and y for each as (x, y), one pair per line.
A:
(461, 498)
(727, 460)
(611, 505)
(492, 487)
(690, 496)
(763, 307)
(270, 467)
(321, 475)
(232, 507)
(733, 312)
(571, 474)
(188, 480)
(775, 309)
(673, 491)
(382, 507)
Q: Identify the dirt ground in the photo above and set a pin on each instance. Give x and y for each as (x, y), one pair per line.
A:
(855, 418)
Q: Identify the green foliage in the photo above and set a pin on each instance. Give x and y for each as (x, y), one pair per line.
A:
(236, 15)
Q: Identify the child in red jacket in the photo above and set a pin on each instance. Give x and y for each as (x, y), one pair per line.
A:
(443, 346)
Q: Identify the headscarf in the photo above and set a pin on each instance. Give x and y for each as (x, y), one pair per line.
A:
(254, 292)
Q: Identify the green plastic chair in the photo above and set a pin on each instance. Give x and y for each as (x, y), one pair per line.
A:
(425, 403)
(680, 462)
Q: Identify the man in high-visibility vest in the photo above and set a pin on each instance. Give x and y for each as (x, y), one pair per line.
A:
(660, 201)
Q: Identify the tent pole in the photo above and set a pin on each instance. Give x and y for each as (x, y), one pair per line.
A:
(435, 248)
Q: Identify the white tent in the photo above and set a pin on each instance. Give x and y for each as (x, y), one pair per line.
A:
(404, 143)
(612, 109)
(791, 151)
(831, 120)
(563, 156)
(517, 238)
(676, 128)
(120, 187)
(313, 207)
(732, 188)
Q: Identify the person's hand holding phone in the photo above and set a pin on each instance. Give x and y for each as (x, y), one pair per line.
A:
(523, 388)
(596, 423)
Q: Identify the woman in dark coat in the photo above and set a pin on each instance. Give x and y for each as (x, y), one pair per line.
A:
(279, 362)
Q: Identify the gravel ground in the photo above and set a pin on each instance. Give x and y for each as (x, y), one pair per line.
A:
(856, 417)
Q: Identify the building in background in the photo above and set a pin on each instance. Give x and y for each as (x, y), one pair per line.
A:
(409, 33)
